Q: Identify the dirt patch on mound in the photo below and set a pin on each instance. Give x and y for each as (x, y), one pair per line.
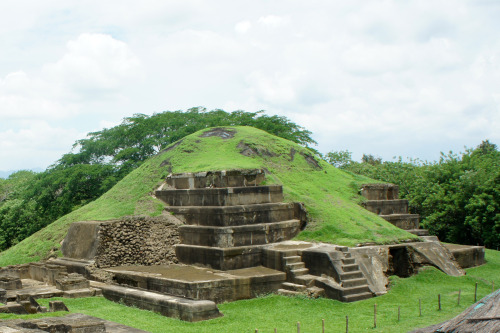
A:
(221, 132)
(249, 150)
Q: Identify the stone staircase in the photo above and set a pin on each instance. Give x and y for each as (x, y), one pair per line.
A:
(299, 281)
(226, 227)
(352, 280)
(383, 200)
(346, 284)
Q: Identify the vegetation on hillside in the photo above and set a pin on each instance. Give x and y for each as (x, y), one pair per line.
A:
(330, 195)
(29, 202)
(458, 197)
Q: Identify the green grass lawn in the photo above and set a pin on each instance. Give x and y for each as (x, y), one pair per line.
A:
(273, 311)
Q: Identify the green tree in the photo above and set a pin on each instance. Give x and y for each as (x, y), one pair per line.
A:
(457, 197)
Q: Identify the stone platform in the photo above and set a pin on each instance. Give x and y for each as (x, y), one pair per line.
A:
(201, 283)
(467, 255)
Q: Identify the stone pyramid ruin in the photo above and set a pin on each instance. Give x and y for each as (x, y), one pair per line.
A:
(225, 236)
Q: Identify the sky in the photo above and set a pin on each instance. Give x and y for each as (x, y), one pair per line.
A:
(387, 78)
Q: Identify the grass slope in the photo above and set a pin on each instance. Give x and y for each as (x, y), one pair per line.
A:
(273, 311)
(330, 195)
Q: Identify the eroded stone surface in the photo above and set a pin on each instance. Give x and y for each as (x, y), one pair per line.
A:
(72, 323)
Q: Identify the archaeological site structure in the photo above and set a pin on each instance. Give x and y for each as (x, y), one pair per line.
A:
(224, 236)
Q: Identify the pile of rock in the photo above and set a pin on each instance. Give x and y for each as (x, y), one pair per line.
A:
(138, 240)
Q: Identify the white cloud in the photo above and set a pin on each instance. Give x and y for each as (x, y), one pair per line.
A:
(94, 63)
(243, 26)
(37, 145)
(273, 21)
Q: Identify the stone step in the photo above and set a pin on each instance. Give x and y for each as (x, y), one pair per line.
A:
(343, 249)
(254, 234)
(299, 272)
(170, 306)
(306, 280)
(315, 292)
(294, 286)
(348, 261)
(354, 282)
(355, 290)
(387, 207)
(220, 258)
(357, 297)
(224, 178)
(292, 259)
(403, 221)
(225, 216)
(351, 275)
(350, 268)
(229, 196)
(430, 238)
(419, 232)
(380, 191)
(296, 265)
(286, 292)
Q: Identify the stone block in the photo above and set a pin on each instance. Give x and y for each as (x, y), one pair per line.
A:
(81, 241)
(235, 215)
(78, 293)
(55, 306)
(403, 221)
(380, 191)
(3, 295)
(71, 282)
(10, 283)
(467, 255)
(224, 237)
(170, 306)
(222, 196)
(387, 207)
(13, 307)
(220, 258)
(225, 178)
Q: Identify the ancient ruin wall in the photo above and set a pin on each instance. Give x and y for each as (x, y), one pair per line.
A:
(138, 240)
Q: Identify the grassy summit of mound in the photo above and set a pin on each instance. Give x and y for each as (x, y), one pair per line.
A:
(330, 195)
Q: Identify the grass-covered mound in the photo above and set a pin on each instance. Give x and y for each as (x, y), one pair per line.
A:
(330, 195)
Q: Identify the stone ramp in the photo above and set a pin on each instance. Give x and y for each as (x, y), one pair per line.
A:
(439, 256)
(170, 306)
